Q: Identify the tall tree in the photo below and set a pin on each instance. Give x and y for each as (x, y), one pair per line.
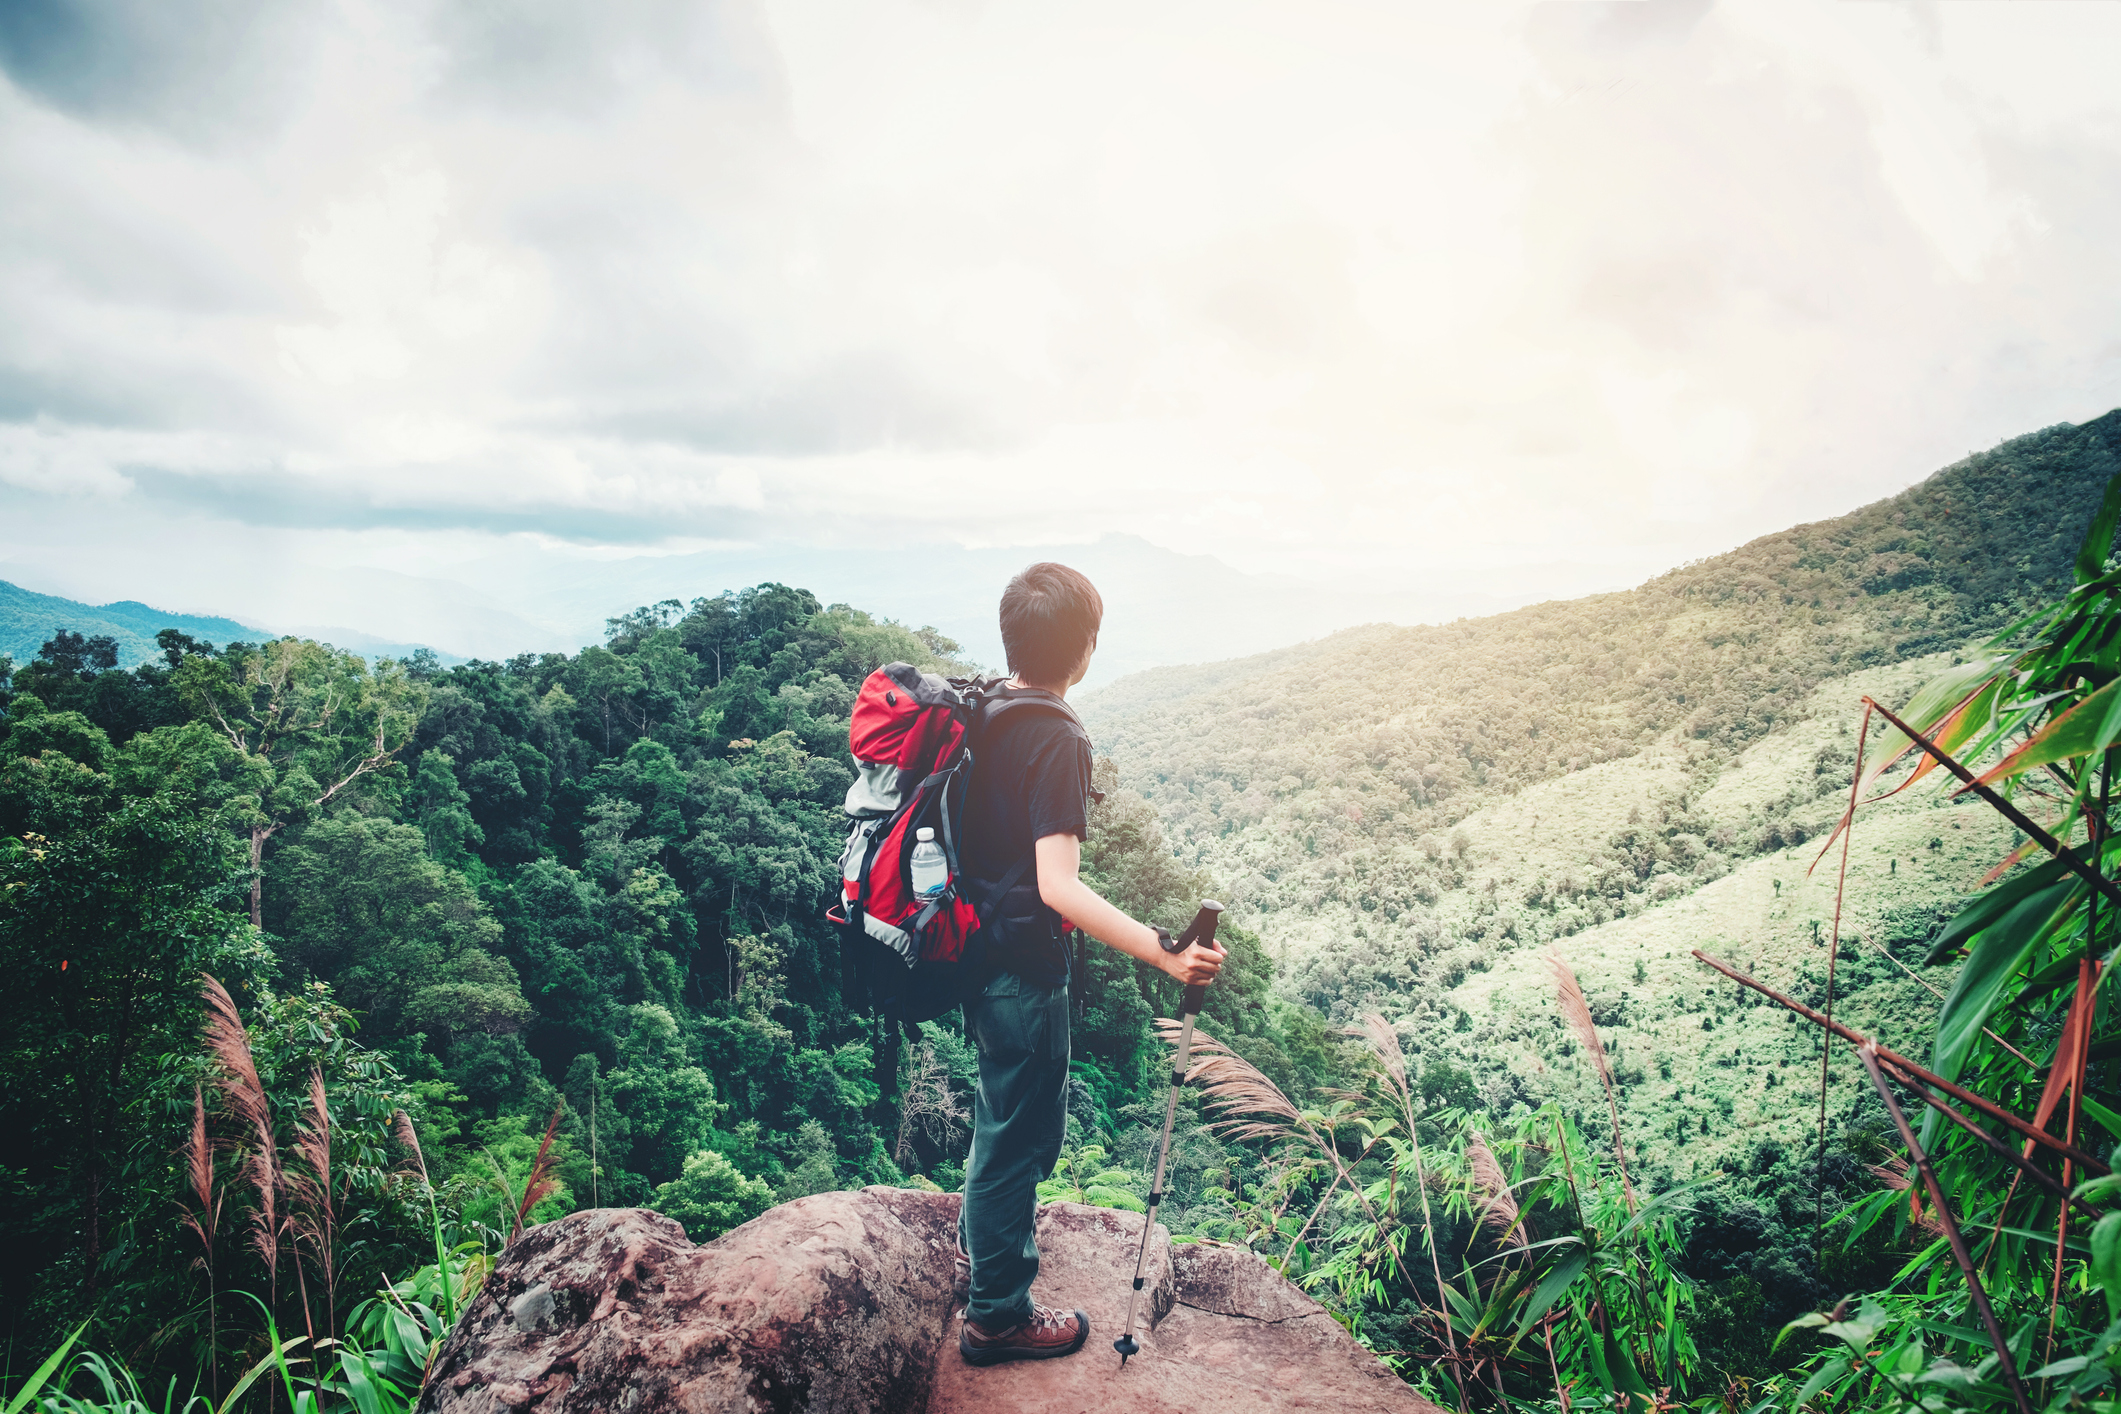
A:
(316, 719)
(118, 885)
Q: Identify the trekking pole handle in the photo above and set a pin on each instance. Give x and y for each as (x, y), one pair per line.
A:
(1200, 930)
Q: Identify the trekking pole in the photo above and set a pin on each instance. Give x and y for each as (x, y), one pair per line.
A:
(1200, 930)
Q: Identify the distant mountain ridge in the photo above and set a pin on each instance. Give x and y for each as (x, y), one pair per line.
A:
(28, 620)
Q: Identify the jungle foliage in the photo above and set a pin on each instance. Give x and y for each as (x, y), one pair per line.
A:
(584, 889)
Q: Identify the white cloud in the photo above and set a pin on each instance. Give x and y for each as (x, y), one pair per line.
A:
(1373, 291)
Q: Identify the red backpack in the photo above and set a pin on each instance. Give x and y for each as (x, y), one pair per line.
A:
(913, 738)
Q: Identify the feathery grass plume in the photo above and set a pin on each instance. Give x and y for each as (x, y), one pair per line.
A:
(205, 1223)
(1234, 1086)
(541, 1184)
(1498, 1206)
(1577, 1012)
(236, 1078)
(205, 1220)
(313, 1209)
(401, 1128)
(1392, 1064)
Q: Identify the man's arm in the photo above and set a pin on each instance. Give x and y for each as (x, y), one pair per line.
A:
(1060, 885)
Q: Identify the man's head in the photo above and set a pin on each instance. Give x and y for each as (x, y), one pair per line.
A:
(1050, 615)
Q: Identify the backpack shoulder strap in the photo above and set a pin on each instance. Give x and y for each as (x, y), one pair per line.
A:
(990, 707)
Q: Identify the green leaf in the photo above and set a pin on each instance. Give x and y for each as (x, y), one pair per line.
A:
(1465, 1310)
(42, 1373)
(2092, 725)
(2099, 536)
(1810, 1320)
(1550, 1288)
(2061, 1367)
(2106, 1262)
(1937, 699)
(1668, 1199)
(1983, 913)
(370, 1393)
(1623, 1373)
(1596, 1350)
(1998, 952)
(1826, 1374)
(268, 1362)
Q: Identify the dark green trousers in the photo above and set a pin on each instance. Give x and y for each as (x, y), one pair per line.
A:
(1018, 1121)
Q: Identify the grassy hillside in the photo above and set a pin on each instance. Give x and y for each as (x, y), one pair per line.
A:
(1411, 815)
(28, 619)
(1771, 915)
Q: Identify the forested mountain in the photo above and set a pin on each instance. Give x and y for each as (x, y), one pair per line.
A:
(1329, 776)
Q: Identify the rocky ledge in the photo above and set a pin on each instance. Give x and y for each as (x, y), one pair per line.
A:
(841, 1302)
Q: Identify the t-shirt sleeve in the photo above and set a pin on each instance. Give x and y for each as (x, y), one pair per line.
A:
(1059, 778)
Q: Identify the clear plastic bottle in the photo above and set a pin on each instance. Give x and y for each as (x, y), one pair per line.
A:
(931, 872)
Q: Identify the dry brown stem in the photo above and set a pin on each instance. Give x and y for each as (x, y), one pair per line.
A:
(927, 1103)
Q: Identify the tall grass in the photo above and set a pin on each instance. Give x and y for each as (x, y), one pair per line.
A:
(374, 1361)
(1576, 1010)
(1561, 1265)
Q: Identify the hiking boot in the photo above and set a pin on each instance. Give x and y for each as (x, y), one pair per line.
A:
(1046, 1336)
(961, 1274)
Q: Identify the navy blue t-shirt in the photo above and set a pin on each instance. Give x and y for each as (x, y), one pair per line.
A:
(1031, 780)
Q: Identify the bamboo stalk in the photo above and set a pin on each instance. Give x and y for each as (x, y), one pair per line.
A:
(2003, 1150)
(1908, 1067)
(2085, 1008)
(1868, 1053)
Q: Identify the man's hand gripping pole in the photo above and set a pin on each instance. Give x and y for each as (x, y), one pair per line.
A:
(1200, 930)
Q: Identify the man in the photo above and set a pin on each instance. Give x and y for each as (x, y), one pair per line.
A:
(1029, 805)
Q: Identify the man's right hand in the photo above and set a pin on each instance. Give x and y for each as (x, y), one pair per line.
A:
(1197, 965)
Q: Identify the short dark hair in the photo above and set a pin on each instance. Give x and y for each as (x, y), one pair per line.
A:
(1050, 615)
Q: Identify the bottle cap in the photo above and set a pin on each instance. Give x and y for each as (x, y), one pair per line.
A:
(924, 834)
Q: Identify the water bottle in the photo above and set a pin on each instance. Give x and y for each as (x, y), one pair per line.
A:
(931, 872)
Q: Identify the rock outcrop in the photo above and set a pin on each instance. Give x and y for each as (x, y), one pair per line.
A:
(841, 1302)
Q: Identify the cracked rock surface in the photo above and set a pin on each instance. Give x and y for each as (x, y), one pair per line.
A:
(841, 1301)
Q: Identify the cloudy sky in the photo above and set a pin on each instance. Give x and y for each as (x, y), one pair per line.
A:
(397, 315)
